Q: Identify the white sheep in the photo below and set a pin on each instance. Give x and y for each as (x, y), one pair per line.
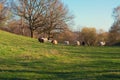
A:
(102, 43)
(77, 43)
(66, 42)
(54, 42)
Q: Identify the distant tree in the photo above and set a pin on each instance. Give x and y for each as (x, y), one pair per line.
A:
(5, 14)
(89, 36)
(114, 31)
(3, 11)
(102, 36)
(15, 26)
(66, 35)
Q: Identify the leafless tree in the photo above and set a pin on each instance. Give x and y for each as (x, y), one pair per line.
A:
(3, 11)
(114, 32)
(33, 11)
(42, 15)
(57, 17)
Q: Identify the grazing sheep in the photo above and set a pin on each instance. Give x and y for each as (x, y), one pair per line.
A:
(50, 41)
(77, 43)
(83, 43)
(54, 42)
(45, 39)
(102, 43)
(42, 40)
(66, 42)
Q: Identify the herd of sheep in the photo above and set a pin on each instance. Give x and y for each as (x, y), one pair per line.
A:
(53, 41)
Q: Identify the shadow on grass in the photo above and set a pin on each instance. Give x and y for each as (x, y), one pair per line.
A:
(108, 77)
(13, 79)
(83, 75)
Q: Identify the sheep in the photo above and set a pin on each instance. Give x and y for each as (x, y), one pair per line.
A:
(83, 43)
(42, 40)
(54, 42)
(102, 43)
(45, 39)
(77, 43)
(66, 42)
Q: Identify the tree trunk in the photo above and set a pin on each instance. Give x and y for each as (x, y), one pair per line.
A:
(31, 33)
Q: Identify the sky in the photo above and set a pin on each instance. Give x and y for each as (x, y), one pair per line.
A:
(92, 13)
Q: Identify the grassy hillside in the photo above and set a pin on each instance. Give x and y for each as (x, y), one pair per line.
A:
(23, 58)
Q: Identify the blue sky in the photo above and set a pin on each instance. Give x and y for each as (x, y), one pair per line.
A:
(92, 13)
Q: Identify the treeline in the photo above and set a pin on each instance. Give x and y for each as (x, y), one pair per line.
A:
(52, 19)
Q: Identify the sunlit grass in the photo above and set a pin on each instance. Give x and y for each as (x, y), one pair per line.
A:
(25, 58)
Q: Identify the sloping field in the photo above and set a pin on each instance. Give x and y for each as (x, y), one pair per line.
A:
(23, 58)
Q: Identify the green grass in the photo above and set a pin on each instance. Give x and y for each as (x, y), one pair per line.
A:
(23, 58)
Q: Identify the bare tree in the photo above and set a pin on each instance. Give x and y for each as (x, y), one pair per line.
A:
(57, 17)
(32, 11)
(114, 31)
(3, 11)
(42, 15)
(116, 25)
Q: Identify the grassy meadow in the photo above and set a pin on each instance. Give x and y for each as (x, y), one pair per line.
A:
(23, 58)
